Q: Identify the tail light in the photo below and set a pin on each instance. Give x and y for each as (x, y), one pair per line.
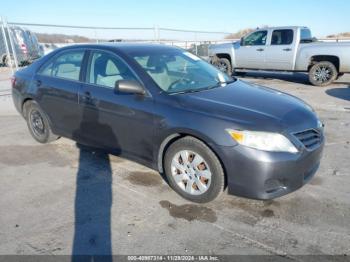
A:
(24, 48)
(13, 81)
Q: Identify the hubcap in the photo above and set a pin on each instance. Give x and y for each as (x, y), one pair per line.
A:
(191, 172)
(37, 123)
(222, 67)
(323, 74)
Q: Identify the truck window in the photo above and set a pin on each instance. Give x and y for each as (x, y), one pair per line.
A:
(256, 38)
(305, 36)
(282, 37)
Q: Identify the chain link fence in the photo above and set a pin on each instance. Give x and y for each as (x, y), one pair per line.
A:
(8, 57)
(53, 36)
(22, 43)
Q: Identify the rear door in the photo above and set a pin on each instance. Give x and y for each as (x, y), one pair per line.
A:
(281, 50)
(119, 121)
(58, 83)
(251, 53)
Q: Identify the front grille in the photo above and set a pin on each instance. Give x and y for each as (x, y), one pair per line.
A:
(309, 138)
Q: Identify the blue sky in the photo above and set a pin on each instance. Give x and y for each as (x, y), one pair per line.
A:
(323, 17)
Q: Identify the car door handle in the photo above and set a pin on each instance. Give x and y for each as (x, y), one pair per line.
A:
(287, 49)
(87, 98)
(38, 83)
(260, 49)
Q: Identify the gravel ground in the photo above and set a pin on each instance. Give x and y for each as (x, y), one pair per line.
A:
(62, 199)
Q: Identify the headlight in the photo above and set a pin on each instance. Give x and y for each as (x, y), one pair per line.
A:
(319, 124)
(263, 140)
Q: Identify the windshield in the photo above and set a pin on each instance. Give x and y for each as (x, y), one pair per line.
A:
(177, 71)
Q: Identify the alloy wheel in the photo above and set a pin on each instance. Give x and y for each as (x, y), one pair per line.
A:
(323, 74)
(222, 67)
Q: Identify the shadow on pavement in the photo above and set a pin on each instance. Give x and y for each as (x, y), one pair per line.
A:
(342, 93)
(93, 199)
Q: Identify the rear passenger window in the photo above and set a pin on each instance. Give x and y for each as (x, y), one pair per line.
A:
(282, 37)
(66, 66)
(105, 69)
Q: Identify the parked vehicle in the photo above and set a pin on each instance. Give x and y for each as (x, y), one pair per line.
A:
(48, 48)
(34, 50)
(25, 43)
(171, 111)
(284, 49)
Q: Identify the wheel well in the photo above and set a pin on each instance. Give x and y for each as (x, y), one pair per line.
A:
(319, 58)
(174, 137)
(227, 56)
(23, 108)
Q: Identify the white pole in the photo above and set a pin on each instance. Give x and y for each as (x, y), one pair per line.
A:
(12, 44)
(6, 45)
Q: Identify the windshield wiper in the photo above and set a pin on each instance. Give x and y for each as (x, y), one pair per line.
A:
(218, 84)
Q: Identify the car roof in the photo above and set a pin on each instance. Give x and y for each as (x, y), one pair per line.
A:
(282, 27)
(124, 47)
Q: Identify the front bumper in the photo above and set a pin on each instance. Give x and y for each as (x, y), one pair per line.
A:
(263, 175)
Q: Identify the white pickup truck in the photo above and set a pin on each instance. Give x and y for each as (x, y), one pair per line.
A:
(284, 49)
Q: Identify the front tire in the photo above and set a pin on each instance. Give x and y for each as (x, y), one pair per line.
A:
(322, 73)
(193, 170)
(38, 123)
(224, 65)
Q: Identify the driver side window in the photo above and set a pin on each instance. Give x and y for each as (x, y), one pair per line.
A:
(256, 38)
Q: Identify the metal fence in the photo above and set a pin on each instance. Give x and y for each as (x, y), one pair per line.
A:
(19, 41)
(8, 57)
(58, 35)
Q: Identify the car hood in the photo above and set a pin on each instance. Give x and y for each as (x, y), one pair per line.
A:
(253, 107)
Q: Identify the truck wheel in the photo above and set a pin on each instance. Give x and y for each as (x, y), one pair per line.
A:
(224, 65)
(322, 73)
(193, 170)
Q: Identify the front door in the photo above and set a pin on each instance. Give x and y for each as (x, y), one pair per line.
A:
(251, 52)
(119, 121)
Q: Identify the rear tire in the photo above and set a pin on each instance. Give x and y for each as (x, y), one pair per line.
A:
(322, 73)
(38, 123)
(199, 176)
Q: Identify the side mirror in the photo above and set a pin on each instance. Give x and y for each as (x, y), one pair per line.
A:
(242, 41)
(129, 86)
